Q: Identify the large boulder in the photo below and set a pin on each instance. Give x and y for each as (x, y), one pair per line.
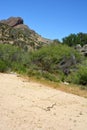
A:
(13, 21)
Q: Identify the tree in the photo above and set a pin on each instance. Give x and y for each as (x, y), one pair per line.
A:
(74, 39)
(82, 38)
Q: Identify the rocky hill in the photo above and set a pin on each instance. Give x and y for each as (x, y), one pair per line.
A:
(14, 31)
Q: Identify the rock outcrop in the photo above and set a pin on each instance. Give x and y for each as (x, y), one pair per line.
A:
(82, 50)
(13, 21)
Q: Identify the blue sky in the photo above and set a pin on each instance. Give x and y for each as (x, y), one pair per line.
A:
(52, 19)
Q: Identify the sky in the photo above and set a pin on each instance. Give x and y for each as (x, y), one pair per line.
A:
(52, 19)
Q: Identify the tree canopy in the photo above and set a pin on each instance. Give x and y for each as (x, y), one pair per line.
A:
(74, 39)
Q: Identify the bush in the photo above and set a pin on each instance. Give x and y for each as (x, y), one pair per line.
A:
(79, 77)
(13, 58)
(82, 75)
(47, 58)
(50, 77)
(45, 61)
(3, 66)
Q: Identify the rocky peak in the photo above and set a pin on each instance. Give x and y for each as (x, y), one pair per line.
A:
(13, 21)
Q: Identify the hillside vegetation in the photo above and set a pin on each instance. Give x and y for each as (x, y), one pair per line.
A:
(13, 31)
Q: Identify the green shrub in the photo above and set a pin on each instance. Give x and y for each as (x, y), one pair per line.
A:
(73, 78)
(3, 66)
(13, 58)
(82, 75)
(79, 77)
(50, 77)
(47, 58)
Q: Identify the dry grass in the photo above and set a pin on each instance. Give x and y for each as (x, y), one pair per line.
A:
(73, 89)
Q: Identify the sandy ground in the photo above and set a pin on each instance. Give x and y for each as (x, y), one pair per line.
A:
(32, 106)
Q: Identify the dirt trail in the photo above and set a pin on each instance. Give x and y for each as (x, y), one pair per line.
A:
(32, 106)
